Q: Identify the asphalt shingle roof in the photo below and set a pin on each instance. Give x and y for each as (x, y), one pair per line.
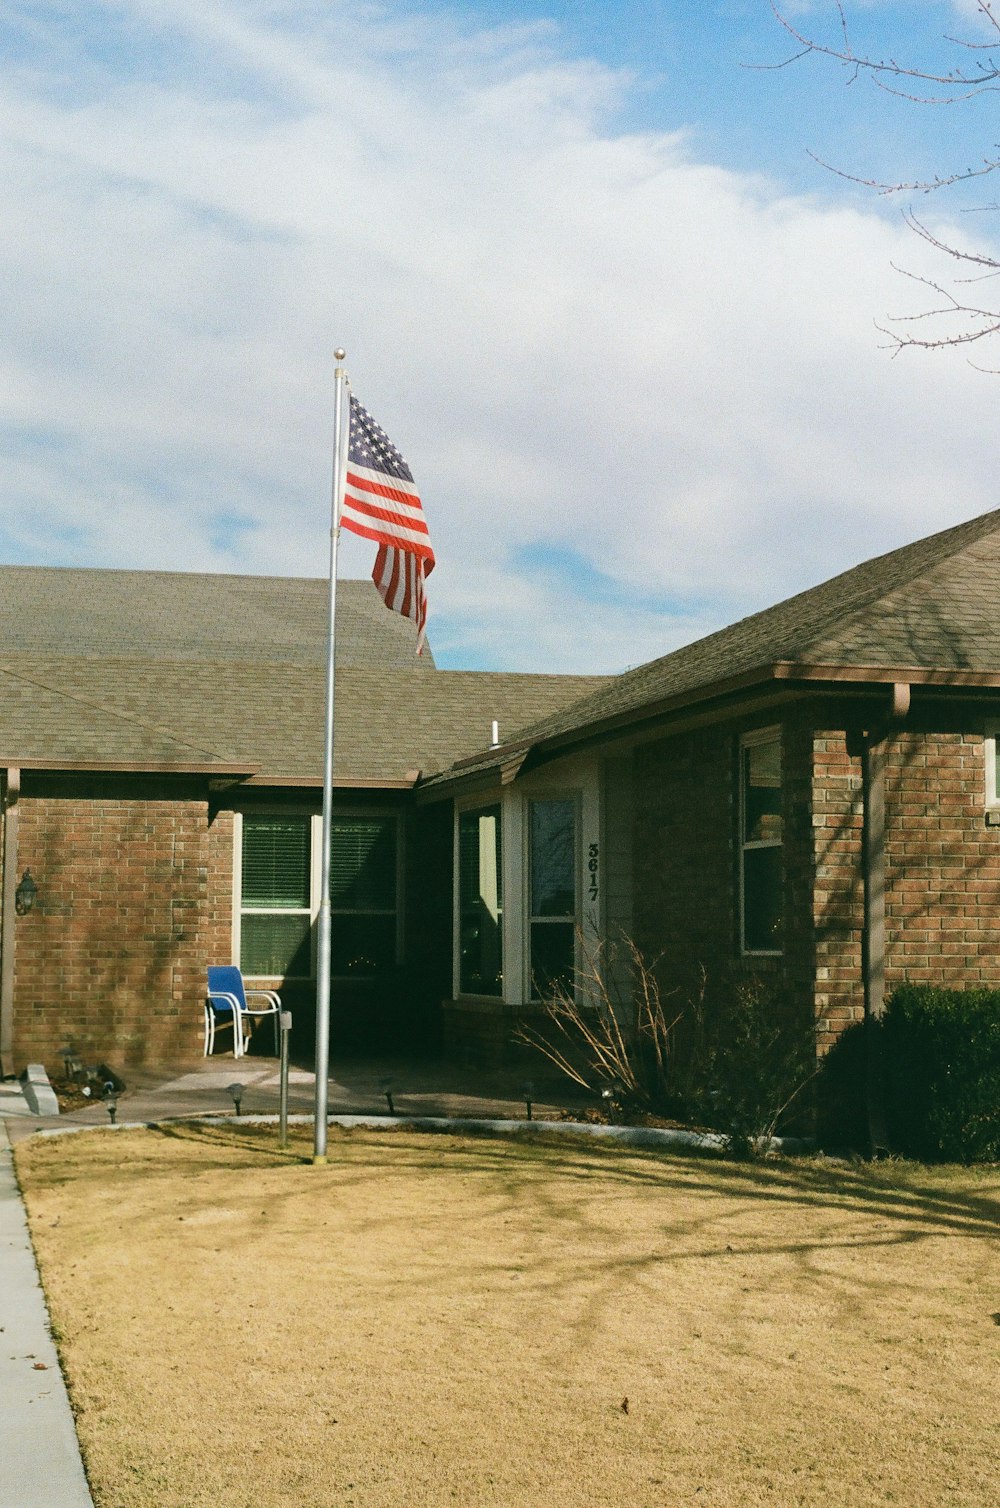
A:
(170, 668)
(187, 616)
(163, 668)
(929, 606)
(388, 722)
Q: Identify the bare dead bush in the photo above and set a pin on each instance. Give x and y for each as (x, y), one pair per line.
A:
(737, 1066)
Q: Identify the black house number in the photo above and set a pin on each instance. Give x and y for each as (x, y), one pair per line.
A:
(593, 865)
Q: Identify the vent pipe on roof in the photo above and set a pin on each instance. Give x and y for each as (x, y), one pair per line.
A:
(495, 735)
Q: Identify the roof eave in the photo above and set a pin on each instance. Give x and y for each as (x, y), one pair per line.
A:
(884, 675)
(715, 699)
(340, 782)
(128, 766)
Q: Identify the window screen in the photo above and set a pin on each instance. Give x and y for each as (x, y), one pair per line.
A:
(363, 864)
(363, 869)
(761, 877)
(276, 862)
(480, 889)
(552, 921)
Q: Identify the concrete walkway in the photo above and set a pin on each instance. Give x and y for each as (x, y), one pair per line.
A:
(40, 1464)
(357, 1087)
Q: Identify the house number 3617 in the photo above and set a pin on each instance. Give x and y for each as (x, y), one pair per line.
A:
(593, 866)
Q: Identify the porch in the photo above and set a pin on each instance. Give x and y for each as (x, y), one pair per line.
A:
(358, 1086)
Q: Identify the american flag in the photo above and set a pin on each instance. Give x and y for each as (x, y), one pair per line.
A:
(382, 503)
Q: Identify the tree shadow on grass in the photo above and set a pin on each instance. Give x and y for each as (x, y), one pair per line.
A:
(925, 1201)
(574, 1229)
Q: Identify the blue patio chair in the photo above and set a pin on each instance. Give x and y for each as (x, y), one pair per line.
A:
(227, 1005)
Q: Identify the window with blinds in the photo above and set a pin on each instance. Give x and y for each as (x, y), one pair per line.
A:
(363, 899)
(276, 911)
(278, 908)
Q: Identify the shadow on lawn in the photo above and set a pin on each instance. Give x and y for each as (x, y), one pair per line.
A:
(919, 1201)
(577, 1225)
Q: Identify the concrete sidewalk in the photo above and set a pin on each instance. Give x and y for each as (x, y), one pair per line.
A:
(12, 1100)
(40, 1465)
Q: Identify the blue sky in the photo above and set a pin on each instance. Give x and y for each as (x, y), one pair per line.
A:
(589, 279)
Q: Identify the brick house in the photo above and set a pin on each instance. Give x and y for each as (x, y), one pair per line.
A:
(161, 740)
(809, 796)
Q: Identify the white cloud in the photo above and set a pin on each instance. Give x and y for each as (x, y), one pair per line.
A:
(583, 341)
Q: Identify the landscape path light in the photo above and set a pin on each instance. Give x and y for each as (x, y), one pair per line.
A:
(285, 1025)
(385, 1085)
(612, 1097)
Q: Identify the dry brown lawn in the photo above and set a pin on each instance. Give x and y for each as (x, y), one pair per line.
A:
(443, 1320)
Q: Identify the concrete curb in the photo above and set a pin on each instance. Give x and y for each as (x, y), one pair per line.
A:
(38, 1092)
(40, 1463)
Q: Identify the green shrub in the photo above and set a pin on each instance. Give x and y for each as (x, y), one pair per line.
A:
(841, 1108)
(940, 1053)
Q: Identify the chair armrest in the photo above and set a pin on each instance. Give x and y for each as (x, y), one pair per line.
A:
(269, 995)
(229, 1002)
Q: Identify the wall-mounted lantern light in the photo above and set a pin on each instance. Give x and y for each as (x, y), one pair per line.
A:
(25, 894)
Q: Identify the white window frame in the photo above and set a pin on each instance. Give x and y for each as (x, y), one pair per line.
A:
(990, 792)
(315, 877)
(574, 795)
(747, 741)
(313, 909)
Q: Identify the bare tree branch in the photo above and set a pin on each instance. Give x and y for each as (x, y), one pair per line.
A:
(960, 83)
(953, 85)
(918, 186)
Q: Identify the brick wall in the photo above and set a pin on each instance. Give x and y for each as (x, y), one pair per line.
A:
(687, 860)
(135, 888)
(684, 903)
(135, 898)
(942, 865)
(942, 924)
(838, 895)
(942, 870)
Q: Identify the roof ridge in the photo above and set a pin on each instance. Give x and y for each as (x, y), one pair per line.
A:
(530, 675)
(251, 576)
(963, 535)
(780, 633)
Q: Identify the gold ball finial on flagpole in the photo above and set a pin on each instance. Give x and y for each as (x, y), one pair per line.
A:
(340, 353)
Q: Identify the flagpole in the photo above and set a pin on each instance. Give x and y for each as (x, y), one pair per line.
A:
(325, 928)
